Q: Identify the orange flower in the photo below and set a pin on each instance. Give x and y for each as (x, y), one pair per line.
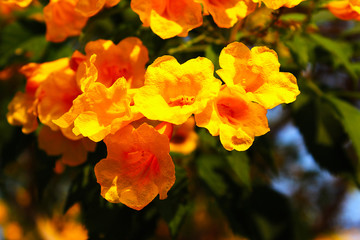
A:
(257, 71)
(185, 138)
(138, 167)
(89, 8)
(227, 12)
(235, 118)
(106, 62)
(173, 92)
(345, 10)
(13, 231)
(55, 96)
(22, 112)
(168, 18)
(73, 152)
(37, 73)
(62, 20)
(275, 4)
(99, 111)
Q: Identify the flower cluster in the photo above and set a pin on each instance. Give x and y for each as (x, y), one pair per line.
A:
(107, 94)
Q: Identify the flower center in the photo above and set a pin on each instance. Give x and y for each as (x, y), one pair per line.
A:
(181, 101)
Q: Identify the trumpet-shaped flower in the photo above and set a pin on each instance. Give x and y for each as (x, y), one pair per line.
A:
(173, 92)
(168, 18)
(62, 20)
(138, 167)
(99, 111)
(22, 112)
(89, 8)
(106, 62)
(235, 118)
(345, 10)
(227, 12)
(37, 73)
(184, 139)
(275, 4)
(257, 71)
(73, 152)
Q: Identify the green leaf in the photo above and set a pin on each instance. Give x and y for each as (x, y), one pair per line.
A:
(349, 117)
(341, 51)
(239, 163)
(209, 170)
(300, 48)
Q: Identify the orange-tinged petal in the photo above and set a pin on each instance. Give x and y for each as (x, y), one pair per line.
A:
(73, 152)
(234, 117)
(99, 111)
(185, 138)
(257, 71)
(138, 167)
(345, 10)
(169, 18)
(89, 8)
(37, 73)
(227, 12)
(62, 20)
(173, 92)
(55, 96)
(19, 3)
(106, 62)
(21, 112)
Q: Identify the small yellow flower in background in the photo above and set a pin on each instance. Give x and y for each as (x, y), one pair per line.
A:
(235, 118)
(137, 168)
(62, 20)
(257, 71)
(275, 4)
(345, 10)
(173, 92)
(184, 139)
(19, 3)
(89, 8)
(22, 112)
(227, 12)
(99, 111)
(62, 227)
(168, 18)
(73, 152)
(105, 62)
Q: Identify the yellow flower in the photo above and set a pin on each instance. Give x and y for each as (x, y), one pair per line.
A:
(99, 111)
(275, 4)
(173, 92)
(257, 71)
(235, 118)
(105, 62)
(138, 167)
(227, 12)
(168, 18)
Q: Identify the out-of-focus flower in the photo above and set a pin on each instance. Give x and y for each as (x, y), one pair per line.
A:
(89, 8)
(4, 213)
(235, 118)
(173, 92)
(168, 18)
(345, 10)
(13, 231)
(62, 227)
(19, 3)
(275, 4)
(106, 62)
(138, 167)
(257, 71)
(99, 111)
(184, 139)
(62, 20)
(227, 12)
(73, 152)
